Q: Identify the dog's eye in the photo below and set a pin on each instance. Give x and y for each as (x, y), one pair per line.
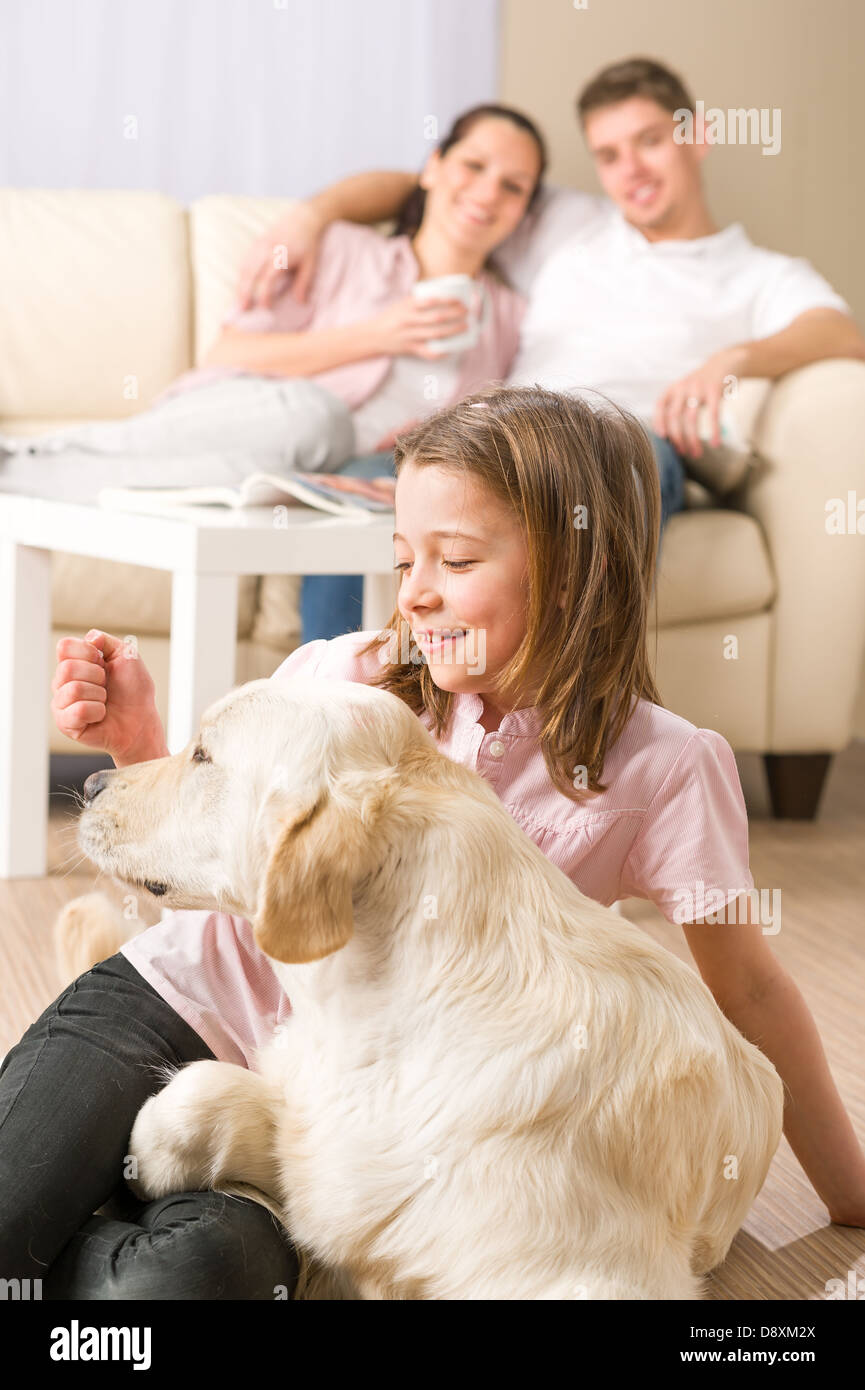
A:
(199, 755)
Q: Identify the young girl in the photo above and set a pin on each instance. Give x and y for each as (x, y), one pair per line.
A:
(526, 534)
(307, 385)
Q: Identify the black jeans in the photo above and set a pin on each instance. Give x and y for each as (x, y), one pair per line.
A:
(69, 1094)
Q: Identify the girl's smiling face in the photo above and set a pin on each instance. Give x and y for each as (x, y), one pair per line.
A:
(472, 578)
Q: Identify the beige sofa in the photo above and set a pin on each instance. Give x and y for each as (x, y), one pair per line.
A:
(760, 612)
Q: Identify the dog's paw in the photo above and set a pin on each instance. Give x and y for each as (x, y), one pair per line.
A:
(163, 1155)
(213, 1123)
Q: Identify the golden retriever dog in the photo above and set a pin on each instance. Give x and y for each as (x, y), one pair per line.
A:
(490, 1087)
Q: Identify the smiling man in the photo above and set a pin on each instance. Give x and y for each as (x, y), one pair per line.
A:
(639, 294)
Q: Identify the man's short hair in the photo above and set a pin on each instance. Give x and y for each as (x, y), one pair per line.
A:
(635, 77)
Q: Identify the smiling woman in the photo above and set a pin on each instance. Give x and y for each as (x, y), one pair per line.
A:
(480, 171)
(313, 381)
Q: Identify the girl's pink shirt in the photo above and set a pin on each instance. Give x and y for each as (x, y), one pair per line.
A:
(359, 273)
(671, 827)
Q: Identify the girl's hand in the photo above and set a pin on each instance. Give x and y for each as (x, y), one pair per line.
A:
(409, 326)
(104, 696)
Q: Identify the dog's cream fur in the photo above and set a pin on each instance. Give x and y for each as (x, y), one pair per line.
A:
(490, 1086)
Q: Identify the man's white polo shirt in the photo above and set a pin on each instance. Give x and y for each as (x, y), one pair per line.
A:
(612, 312)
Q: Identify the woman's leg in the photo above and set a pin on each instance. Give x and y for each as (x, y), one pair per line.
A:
(331, 604)
(215, 434)
(69, 1094)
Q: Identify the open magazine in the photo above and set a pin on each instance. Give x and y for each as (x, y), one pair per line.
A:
(343, 496)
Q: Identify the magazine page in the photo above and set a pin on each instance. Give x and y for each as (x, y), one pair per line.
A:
(375, 495)
(350, 497)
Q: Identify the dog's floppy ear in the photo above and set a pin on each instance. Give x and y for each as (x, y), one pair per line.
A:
(322, 849)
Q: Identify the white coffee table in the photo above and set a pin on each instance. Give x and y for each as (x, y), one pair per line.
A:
(206, 549)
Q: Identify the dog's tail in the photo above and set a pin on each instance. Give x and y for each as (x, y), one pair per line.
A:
(87, 930)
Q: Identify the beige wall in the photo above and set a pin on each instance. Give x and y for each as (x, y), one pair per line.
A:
(801, 56)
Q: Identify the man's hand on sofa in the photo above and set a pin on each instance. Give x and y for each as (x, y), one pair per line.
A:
(678, 409)
(386, 485)
(812, 336)
(292, 242)
(290, 245)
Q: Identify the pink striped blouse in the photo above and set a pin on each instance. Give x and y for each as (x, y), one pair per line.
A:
(358, 273)
(671, 822)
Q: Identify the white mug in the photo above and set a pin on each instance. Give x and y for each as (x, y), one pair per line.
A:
(471, 293)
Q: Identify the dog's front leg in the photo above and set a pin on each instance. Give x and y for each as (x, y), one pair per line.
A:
(213, 1123)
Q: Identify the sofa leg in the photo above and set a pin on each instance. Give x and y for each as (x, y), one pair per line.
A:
(795, 783)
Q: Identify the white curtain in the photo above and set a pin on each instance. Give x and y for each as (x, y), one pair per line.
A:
(267, 97)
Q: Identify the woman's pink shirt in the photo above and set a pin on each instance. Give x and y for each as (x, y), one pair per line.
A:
(359, 273)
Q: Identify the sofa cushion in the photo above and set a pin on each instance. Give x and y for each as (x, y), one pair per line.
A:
(697, 496)
(95, 293)
(713, 564)
(277, 616)
(122, 598)
(221, 231)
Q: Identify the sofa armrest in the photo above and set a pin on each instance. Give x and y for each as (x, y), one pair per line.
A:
(810, 439)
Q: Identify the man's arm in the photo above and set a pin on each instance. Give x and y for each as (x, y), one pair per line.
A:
(371, 197)
(811, 337)
(816, 334)
(291, 243)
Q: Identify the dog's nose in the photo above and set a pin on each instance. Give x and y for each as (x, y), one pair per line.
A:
(95, 783)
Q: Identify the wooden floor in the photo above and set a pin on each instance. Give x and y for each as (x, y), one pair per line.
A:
(787, 1248)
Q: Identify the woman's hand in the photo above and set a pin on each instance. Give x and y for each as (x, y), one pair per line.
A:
(289, 245)
(370, 488)
(409, 326)
(105, 698)
(388, 441)
(386, 485)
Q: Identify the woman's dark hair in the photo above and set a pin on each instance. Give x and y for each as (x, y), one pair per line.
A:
(411, 213)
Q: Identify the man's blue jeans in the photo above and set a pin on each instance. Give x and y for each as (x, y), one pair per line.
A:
(331, 604)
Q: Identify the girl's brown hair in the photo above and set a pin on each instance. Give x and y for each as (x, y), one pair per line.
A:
(582, 484)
